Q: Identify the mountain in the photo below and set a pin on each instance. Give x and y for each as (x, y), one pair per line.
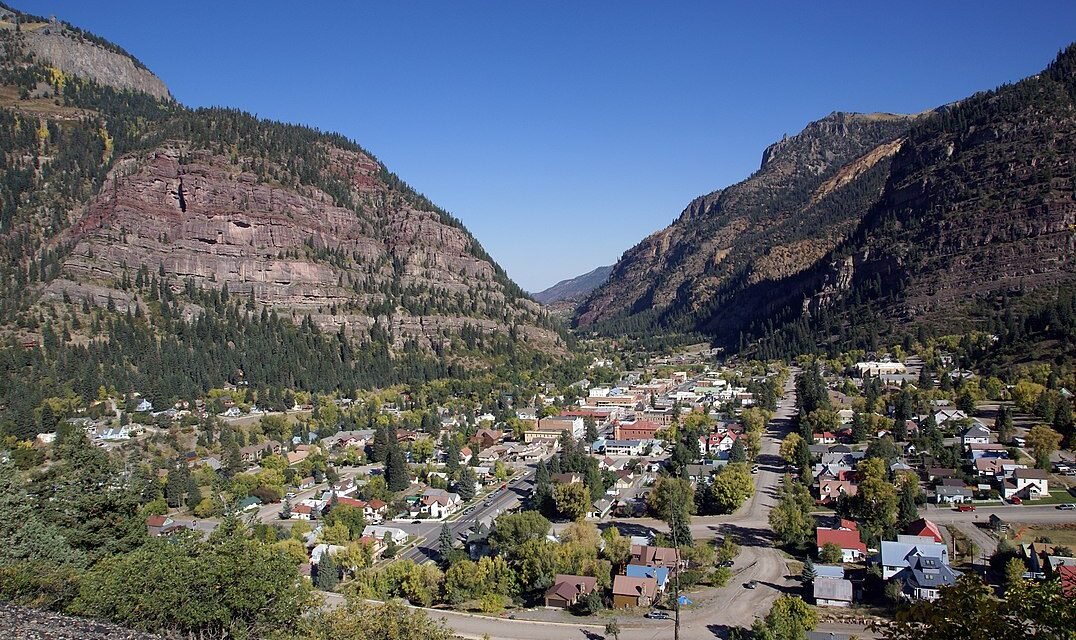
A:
(866, 227)
(808, 193)
(115, 198)
(573, 288)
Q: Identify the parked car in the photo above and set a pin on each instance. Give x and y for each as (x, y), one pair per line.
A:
(751, 584)
(1067, 507)
(416, 522)
(727, 563)
(657, 615)
(966, 507)
(1016, 500)
(754, 469)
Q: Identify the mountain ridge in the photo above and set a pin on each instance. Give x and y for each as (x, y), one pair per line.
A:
(573, 288)
(140, 201)
(968, 200)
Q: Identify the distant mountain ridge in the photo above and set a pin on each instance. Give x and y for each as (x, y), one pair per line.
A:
(574, 288)
(866, 228)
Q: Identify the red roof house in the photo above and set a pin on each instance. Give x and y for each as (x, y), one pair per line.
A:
(848, 540)
(925, 528)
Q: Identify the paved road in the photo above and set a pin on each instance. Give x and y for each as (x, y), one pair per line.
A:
(718, 609)
(428, 534)
(1045, 514)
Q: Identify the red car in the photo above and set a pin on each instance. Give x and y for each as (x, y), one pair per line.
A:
(966, 507)
(1016, 500)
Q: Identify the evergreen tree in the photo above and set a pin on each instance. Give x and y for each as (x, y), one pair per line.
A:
(907, 512)
(328, 572)
(465, 484)
(379, 450)
(808, 574)
(445, 543)
(285, 509)
(591, 427)
(396, 473)
(737, 454)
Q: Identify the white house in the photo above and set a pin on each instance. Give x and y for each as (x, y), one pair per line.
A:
(438, 503)
(1027, 484)
(399, 536)
(976, 434)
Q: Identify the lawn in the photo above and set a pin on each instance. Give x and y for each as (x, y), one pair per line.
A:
(1057, 496)
(1058, 534)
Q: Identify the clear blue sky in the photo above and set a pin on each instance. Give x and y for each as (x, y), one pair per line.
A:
(562, 133)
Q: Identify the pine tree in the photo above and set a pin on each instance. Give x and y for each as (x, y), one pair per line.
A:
(737, 454)
(379, 451)
(396, 473)
(328, 572)
(808, 574)
(908, 512)
(465, 485)
(445, 543)
(285, 509)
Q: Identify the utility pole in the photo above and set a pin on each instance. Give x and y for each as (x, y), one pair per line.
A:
(676, 578)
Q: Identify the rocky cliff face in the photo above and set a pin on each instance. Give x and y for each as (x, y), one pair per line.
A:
(194, 216)
(78, 53)
(810, 191)
(114, 199)
(900, 221)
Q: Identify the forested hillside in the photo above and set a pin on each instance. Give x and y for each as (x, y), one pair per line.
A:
(936, 223)
(148, 246)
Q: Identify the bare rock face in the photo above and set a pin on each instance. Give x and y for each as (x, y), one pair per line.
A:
(74, 54)
(198, 218)
(805, 197)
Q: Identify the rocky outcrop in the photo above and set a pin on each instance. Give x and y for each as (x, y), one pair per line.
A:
(193, 218)
(905, 221)
(78, 53)
(809, 192)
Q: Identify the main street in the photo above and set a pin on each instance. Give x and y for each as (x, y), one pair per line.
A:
(717, 609)
(427, 532)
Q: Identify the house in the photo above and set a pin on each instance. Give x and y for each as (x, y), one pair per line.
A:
(567, 478)
(950, 494)
(991, 467)
(302, 512)
(940, 473)
(852, 548)
(895, 556)
(623, 448)
(295, 457)
(975, 434)
(832, 592)
(825, 438)
(924, 577)
(306, 482)
(988, 450)
(654, 556)
(438, 503)
(600, 509)
(925, 528)
(659, 574)
(486, 438)
(160, 526)
(568, 589)
(633, 592)
(248, 504)
(398, 536)
(144, 407)
(830, 490)
(1028, 484)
